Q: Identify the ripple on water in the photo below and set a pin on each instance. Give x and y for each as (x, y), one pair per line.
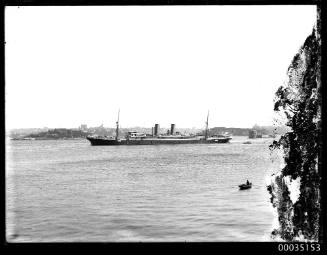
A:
(70, 191)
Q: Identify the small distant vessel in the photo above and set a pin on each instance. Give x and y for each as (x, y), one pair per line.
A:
(24, 138)
(135, 138)
(28, 138)
(245, 186)
(247, 142)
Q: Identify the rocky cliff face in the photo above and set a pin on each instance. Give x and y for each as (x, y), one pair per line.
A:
(295, 192)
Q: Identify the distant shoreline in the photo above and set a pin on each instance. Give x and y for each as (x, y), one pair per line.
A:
(38, 139)
(82, 138)
(68, 134)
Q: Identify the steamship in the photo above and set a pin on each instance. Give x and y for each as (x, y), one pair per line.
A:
(172, 137)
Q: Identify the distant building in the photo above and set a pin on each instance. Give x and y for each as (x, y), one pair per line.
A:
(253, 133)
(83, 127)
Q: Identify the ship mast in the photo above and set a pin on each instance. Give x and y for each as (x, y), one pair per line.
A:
(117, 126)
(207, 123)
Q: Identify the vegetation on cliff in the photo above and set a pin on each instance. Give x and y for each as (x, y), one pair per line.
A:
(300, 102)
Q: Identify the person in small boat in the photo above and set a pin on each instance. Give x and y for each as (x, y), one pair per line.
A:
(247, 182)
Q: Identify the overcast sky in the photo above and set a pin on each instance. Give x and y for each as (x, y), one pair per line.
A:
(67, 66)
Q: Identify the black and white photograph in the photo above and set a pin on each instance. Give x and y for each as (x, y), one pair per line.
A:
(168, 123)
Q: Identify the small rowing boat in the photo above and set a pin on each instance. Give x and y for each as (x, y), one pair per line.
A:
(245, 186)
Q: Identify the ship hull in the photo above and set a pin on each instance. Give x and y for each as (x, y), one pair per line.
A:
(112, 142)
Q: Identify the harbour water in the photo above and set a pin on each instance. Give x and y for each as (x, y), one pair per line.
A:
(70, 191)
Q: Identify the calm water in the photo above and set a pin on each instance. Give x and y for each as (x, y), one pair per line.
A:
(71, 191)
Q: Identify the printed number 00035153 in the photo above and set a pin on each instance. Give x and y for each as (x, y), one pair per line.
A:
(299, 247)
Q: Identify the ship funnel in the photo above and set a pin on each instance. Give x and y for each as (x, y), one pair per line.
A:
(172, 129)
(156, 129)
